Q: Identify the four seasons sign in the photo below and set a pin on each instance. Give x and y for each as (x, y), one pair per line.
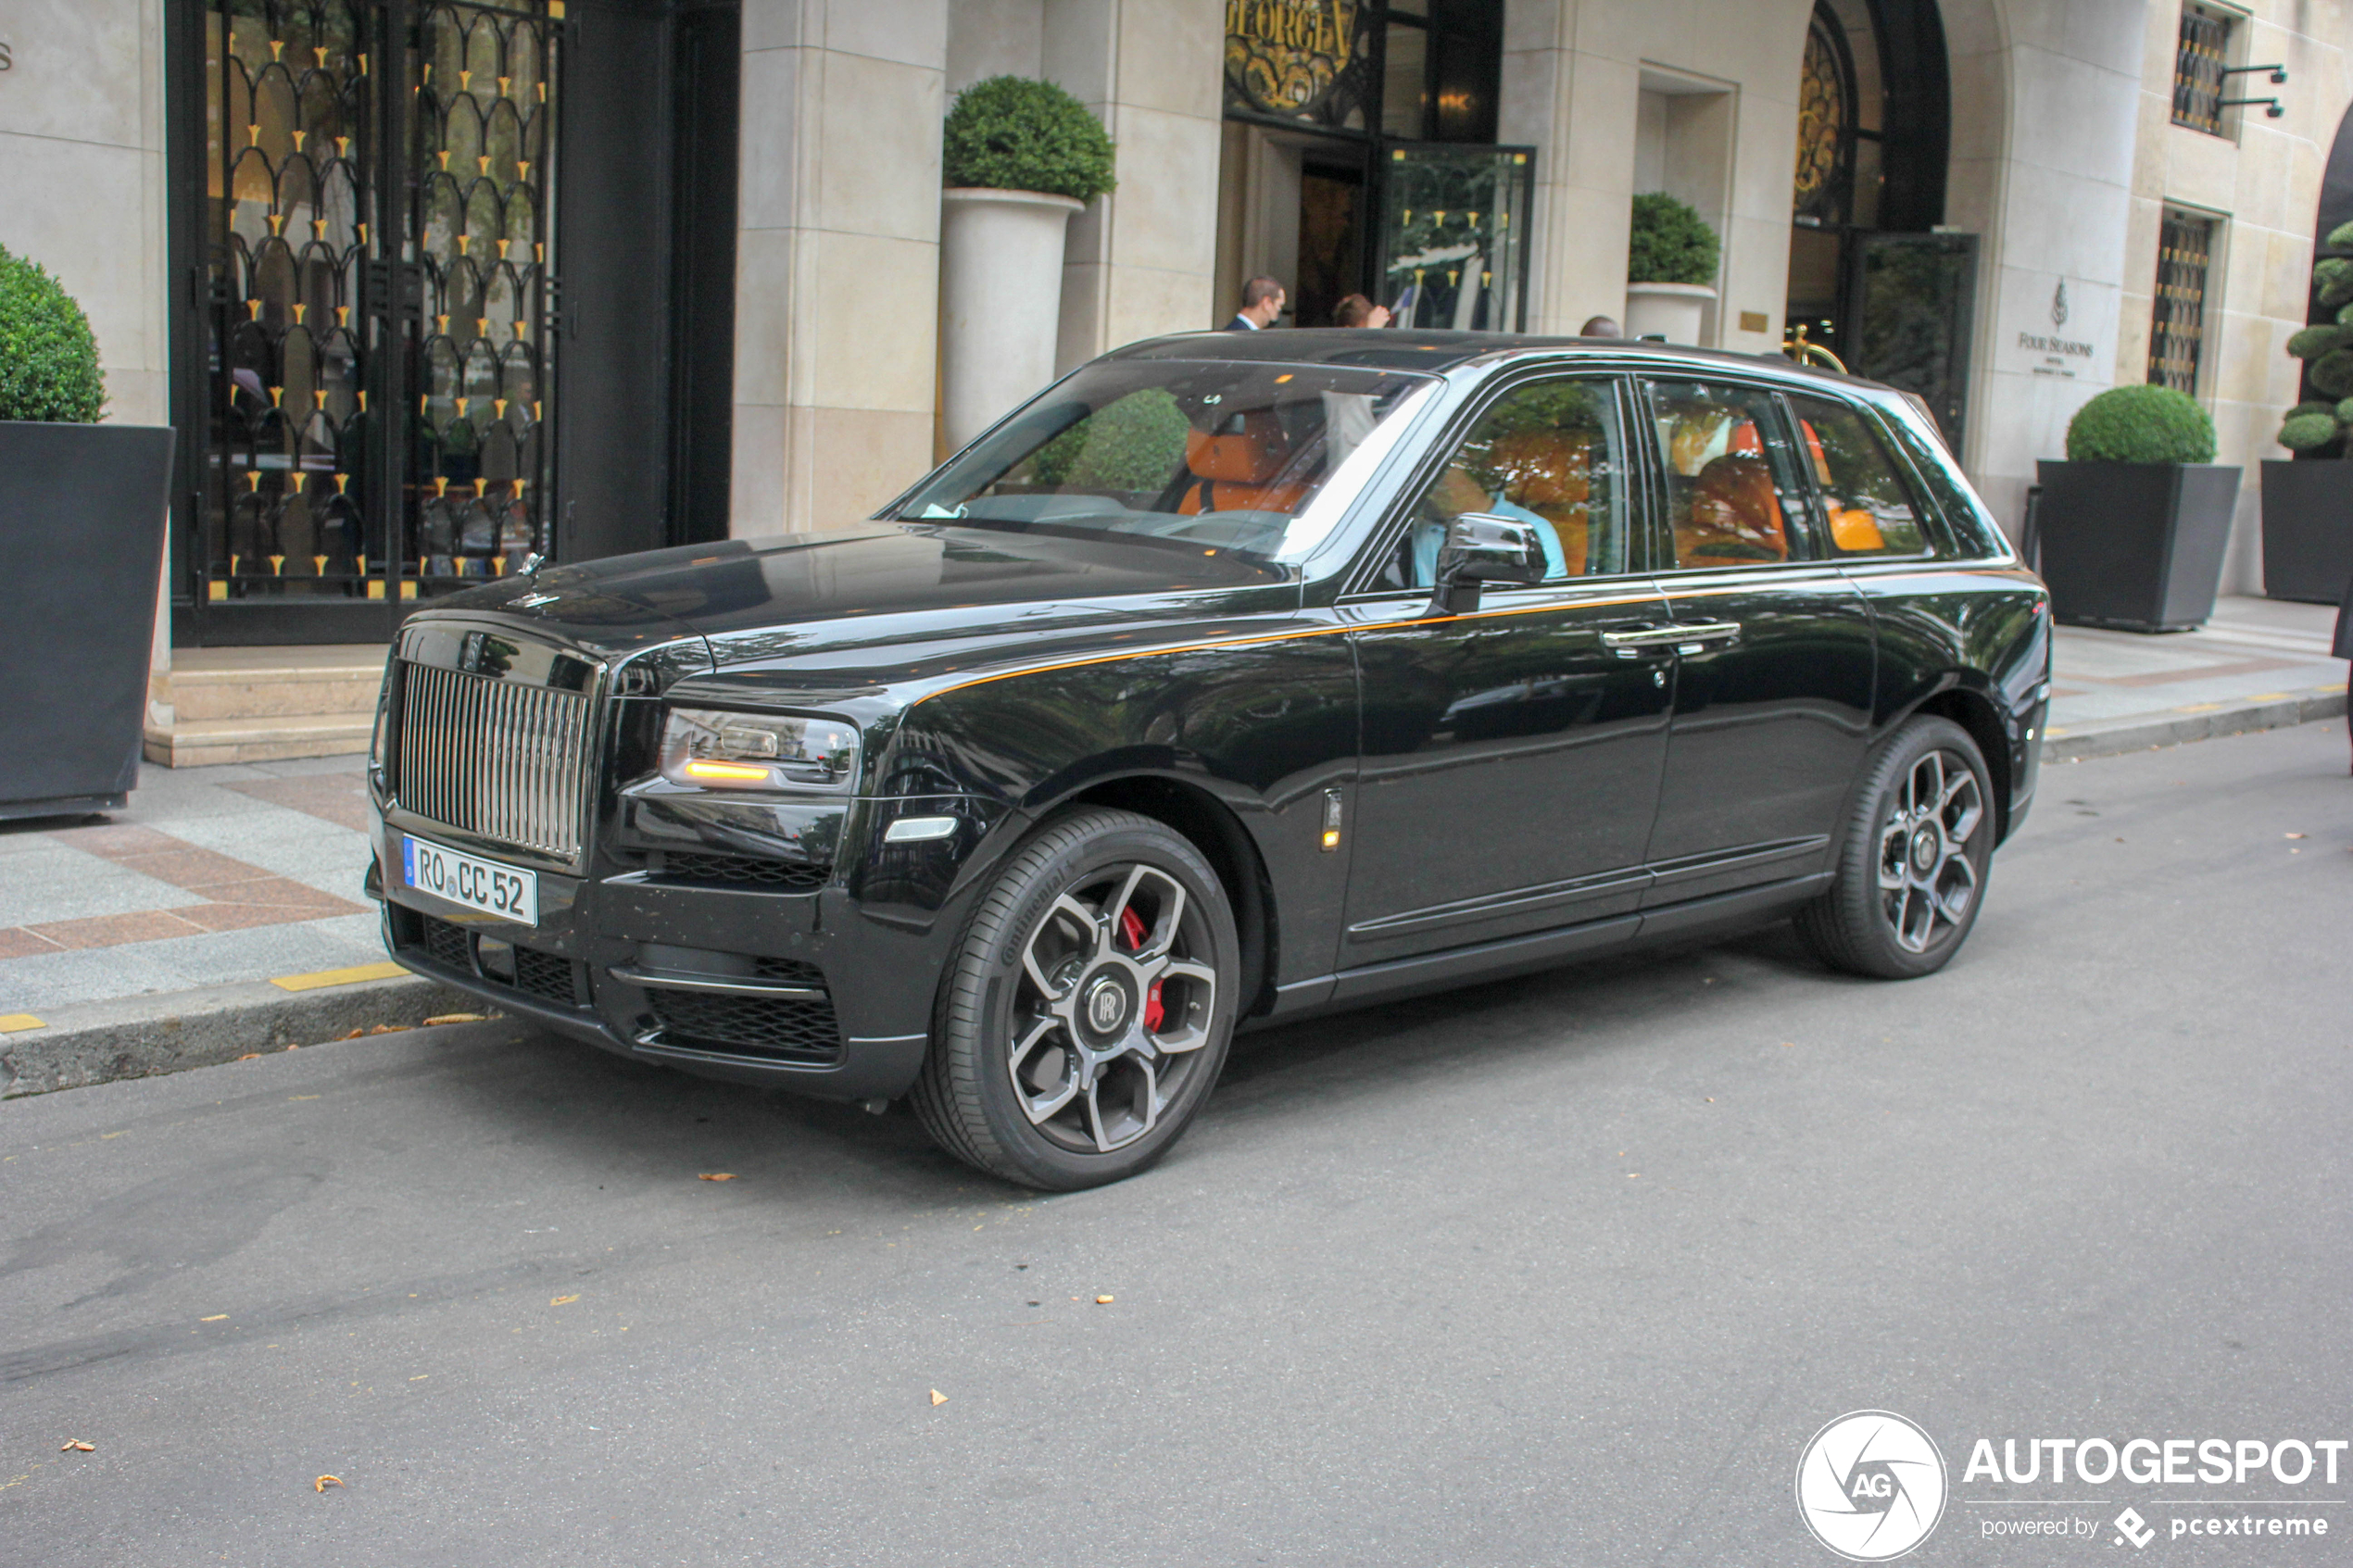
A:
(1291, 58)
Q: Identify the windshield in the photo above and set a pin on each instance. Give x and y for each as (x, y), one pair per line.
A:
(1196, 453)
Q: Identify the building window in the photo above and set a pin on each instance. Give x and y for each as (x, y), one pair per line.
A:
(2177, 329)
(2199, 59)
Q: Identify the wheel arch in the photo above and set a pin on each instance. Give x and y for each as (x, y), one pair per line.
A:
(1975, 712)
(1211, 826)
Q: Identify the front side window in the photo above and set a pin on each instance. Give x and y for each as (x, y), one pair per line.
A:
(1187, 453)
(1732, 483)
(1868, 506)
(1551, 454)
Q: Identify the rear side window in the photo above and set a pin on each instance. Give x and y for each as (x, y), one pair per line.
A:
(1965, 516)
(1733, 492)
(1868, 509)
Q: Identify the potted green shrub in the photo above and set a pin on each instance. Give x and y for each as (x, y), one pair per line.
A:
(2307, 499)
(82, 520)
(1019, 159)
(2133, 523)
(1670, 269)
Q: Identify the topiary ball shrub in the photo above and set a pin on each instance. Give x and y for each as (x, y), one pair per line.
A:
(1010, 133)
(2309, 432)
(1135, 443)
(48, 358)
(2141, 424)
(1671, 242)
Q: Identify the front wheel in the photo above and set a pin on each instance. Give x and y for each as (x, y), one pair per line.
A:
(1912, 863)
(1087, 1014)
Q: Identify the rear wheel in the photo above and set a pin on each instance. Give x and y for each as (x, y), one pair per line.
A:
(1087, 1014)
(1912, 863)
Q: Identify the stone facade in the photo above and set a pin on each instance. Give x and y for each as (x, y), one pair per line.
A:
(2063, 157)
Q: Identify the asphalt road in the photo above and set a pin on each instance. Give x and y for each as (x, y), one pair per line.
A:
(1566, 1270)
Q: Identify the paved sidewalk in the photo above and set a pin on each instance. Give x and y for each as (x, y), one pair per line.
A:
(245, 871)
(242, 873)
(2250, 665)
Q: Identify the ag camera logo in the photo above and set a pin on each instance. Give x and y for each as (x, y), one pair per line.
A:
(1871, 1486)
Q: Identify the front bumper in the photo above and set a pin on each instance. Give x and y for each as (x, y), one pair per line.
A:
(808, 991)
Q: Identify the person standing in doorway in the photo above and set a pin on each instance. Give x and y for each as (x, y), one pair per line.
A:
(1601, 326)
(1263, 301)
(1358, 311)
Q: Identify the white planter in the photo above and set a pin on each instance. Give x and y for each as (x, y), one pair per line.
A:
(1674, 311)
(1000, 293)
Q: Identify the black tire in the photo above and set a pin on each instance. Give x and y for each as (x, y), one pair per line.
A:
(1911, 874)
(1130, 1088)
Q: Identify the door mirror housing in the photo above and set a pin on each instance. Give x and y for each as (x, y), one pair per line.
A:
(1484, 547)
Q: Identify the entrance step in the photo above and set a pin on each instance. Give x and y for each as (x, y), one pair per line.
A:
(263, 704)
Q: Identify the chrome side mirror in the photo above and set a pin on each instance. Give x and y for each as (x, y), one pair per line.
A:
(1484, 547)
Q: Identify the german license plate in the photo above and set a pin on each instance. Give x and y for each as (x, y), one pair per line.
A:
(469, 881)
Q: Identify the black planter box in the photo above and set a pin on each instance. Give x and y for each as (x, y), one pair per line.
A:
(2307, 529)
(2134, 545)
(81, 521)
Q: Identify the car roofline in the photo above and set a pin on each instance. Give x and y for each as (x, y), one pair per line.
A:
(1433, 353)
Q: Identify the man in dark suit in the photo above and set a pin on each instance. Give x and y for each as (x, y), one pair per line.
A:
(1263, 301)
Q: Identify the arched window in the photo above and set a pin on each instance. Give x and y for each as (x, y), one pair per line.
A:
(1824, 187)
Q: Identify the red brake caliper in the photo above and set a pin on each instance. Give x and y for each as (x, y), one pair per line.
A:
(1131, 931)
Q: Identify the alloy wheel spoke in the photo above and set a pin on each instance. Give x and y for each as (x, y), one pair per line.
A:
(1106, 1139)
(1036, 1105)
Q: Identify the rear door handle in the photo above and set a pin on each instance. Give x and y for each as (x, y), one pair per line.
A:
(1693, 635)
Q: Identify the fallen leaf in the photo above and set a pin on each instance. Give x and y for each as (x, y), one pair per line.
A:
(76, 1445)
(250, 1056)
(294, 1048)
(325, 1482)
(353, 1036)
(937, 1398)
(2295, 836)
(563, 1300)
(1103, 1300)
(716, 1176)
(457, 1018)
(389, 1029)
(217, 1317)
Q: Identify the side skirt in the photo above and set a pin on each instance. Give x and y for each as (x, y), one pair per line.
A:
(1542, 949)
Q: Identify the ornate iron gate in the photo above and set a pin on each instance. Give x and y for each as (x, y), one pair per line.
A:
(379, 309)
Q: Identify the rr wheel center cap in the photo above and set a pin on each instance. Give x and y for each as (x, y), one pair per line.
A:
(1106, 1005)
(1924, 846)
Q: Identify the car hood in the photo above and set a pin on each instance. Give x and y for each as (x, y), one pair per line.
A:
(864, 598)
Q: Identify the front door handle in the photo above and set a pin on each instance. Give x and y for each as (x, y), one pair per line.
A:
(1643, 637)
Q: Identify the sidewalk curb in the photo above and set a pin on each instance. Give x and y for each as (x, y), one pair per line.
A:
(2148, 731)
(141, 1037)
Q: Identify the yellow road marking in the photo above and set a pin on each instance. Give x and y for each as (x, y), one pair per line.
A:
(327, 977)
(16, 1023)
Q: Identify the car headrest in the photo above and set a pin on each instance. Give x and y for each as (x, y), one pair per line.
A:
(1543, 467)
(1245, 449)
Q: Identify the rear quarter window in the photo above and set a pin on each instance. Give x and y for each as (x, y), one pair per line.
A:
(1967, 522)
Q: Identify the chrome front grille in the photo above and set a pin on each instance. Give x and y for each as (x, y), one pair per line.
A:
(497, 759)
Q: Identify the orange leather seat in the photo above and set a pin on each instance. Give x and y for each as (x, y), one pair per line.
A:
(1550, 473)
(1238, 469)
(1735, 518)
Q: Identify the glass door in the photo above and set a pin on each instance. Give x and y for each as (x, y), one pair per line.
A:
(1907, 312)
(1453, 235)
(365, 395)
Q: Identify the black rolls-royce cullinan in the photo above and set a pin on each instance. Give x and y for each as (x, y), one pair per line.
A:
(1235, 677)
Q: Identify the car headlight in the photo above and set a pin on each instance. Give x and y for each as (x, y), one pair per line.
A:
(710, 749)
